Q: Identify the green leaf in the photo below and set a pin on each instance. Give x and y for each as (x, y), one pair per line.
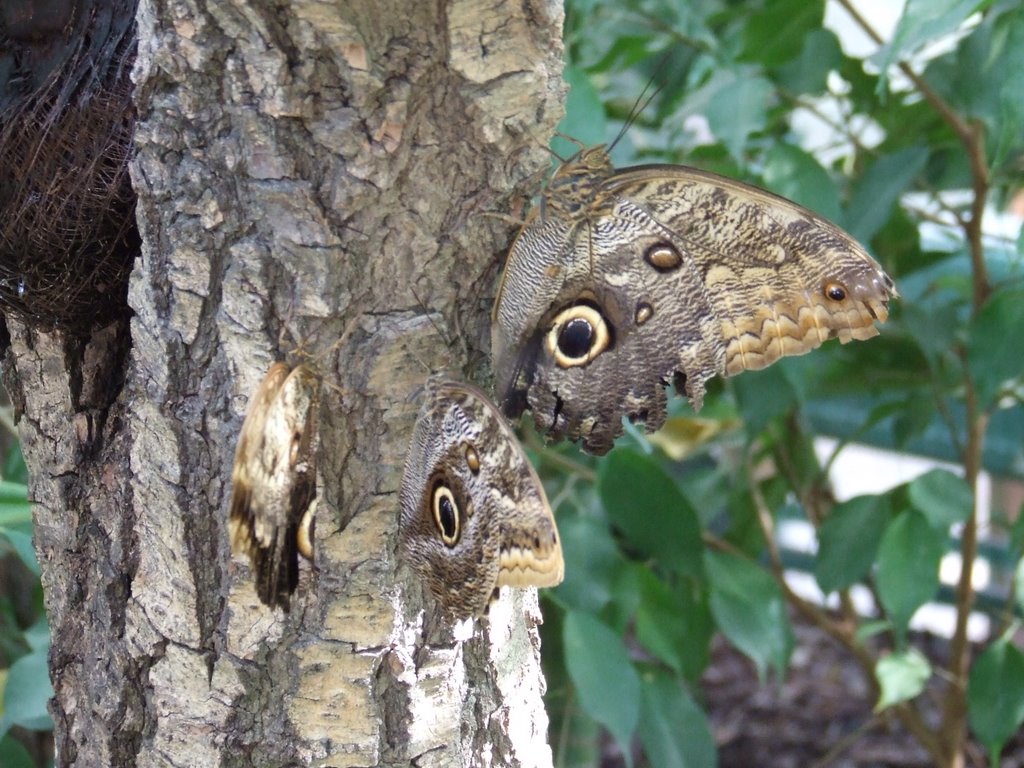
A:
(15, 511)
(13, 754)
(584, 119)
(27, 693)
(1017, 532)
(797, 175)
(922, 22)
(933, 325)
(749, 609)
(604, 676)
(596, 562)
(673, 626)
(942, 497)
(38, 635)
(995, 694)
(848, 541)
(1018, 583)
(878, 190)
(735, 104)
(648, 508)
(22, 544)
(991, 360)
(674, 731)
(983, 78)
(908, 566)
(764, 395)
(808, 73)
(913, 419)
(14, 468)
(901, 676)
(579, 737)
(868, 629)
(775, 32)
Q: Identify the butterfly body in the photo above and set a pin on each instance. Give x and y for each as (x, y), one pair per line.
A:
(474, 515)
(623, 281)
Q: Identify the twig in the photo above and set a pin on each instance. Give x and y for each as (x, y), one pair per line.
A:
(558, 459)
(972, 136)
(843, 632)
(841, 746)
(954, 714)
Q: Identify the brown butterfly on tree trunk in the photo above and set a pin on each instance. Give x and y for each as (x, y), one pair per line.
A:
(622, 281)
(273, 494)
(272, 517)
(474, 514)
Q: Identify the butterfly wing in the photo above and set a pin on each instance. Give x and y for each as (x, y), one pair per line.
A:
(474, 514)
(781, 278)
(274, 479)
(667, 274)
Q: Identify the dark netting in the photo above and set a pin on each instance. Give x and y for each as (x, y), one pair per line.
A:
(67, 211)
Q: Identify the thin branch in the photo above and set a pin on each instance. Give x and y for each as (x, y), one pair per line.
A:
(954, 716)
(844, 743)
(972, 137)
(559, 460)
(843, 632)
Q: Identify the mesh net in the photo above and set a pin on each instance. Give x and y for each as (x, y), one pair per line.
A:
(67, 210)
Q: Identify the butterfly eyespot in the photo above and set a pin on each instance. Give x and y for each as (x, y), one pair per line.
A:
(835, 291)
(644, 312)
(472, 459)
(446, 514)
(307, 531)
(664, 257)
(578, 334)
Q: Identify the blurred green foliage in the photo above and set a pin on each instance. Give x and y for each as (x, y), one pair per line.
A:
(671, 539)
(25, 689)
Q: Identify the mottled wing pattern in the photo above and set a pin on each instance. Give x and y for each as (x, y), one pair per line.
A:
(274, 480)
(474, 516)
(781, 279)
(671, 275)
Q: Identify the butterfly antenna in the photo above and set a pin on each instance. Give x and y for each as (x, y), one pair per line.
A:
(442, 332)
(642, 102)
(346, 332)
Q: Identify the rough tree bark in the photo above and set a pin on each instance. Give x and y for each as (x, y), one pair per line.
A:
(301, 167)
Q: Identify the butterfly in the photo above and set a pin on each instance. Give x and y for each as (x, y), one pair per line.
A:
(273, 494)
(474, 514)
(623, 281)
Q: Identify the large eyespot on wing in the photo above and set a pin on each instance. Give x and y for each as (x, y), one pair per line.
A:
(445, 510)
(451, 551)
(534, 278)
(471, 505)
(578, 334)
(754, 277)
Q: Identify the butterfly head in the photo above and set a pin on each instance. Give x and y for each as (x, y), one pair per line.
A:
(576, 186)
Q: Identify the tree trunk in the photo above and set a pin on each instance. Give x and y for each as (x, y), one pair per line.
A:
(301, 168)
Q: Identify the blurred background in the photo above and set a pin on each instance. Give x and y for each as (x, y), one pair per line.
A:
(825, 563)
